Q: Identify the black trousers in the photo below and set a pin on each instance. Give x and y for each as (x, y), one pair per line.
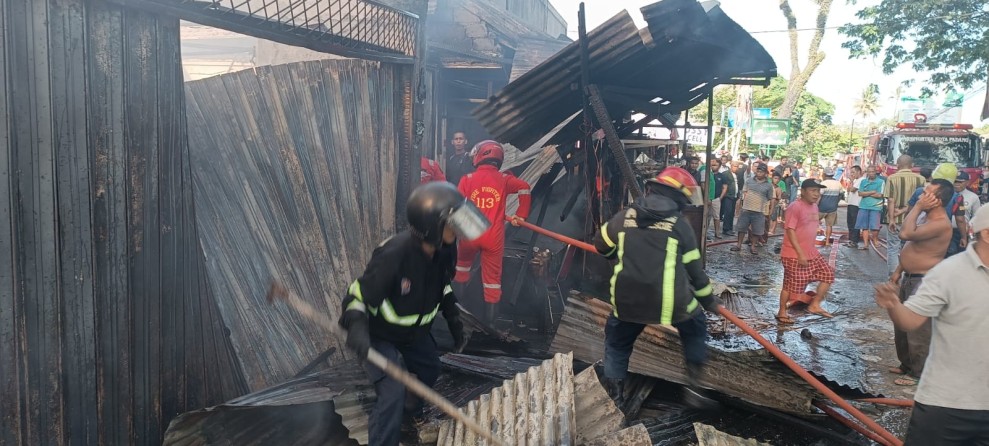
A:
(954, 246)
(851, 214)
(728, 214)
(933, 425)
(421, 359)
(619, 339)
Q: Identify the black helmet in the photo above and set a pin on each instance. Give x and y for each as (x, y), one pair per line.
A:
(433, 205)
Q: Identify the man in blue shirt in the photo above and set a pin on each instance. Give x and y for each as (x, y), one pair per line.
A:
(871, 206)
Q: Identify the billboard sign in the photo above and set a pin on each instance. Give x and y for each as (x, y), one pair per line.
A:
(773, 132)
(757, 113)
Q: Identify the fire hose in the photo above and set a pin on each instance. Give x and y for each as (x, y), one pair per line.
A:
(772, 349)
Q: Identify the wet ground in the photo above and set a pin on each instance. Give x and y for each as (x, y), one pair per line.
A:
(853, 349)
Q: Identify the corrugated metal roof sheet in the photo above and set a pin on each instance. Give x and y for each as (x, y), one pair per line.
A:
(660, 68)
(709, 436)
(530, 52)
(535, 408)
(753, 376)
(597, 414)
(316, 409)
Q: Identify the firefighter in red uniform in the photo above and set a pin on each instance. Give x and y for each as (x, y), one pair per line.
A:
(429, 170)
(488, 188)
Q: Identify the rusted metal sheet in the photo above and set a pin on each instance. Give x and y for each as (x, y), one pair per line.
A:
(353, 28)
(317, 409)
(636, 435)
(536, 407)
(107, 324)
(753, 376)
(709, 436)
(632, 67)
(294, 167)
(530, 52)
(597, 414)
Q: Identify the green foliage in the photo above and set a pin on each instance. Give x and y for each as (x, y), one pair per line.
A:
(947, 38)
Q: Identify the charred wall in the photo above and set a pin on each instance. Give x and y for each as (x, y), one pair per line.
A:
(296, 172)
(107, 326)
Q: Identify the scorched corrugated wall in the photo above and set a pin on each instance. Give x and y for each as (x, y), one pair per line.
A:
(107, 328)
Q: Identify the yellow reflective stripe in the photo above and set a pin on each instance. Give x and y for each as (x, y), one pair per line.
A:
(356, 305)
(392, 317)
(447, 290)
(691, 255)
(429, 317)
(706, 291)
(618, 268)
(355, 290)
(604, 236)
(669, 280)
(693, 304)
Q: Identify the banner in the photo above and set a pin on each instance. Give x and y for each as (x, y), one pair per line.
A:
(757, 113)
(774, 132)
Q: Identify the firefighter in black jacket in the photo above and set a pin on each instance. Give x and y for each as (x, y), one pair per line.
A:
(658, 279)
(406, 283)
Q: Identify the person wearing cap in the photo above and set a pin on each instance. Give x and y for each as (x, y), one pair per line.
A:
(757, 194)
(870, 207)
(952, 400)
(926, 234)
(802, 263)
(955, 207)
(970, 199)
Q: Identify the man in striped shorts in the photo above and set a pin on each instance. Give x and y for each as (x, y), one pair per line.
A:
(802, 263)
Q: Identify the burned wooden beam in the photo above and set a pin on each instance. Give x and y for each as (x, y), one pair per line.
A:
(752, 376)
(614, 142)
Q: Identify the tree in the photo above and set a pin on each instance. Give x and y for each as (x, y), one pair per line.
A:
(947, 38)
(800, 75)
(868, 104)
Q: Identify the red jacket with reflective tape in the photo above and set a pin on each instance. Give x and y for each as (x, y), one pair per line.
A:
(488, 189)
(429, 170)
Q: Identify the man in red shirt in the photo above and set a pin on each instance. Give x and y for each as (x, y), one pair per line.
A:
(802, 263)
(488, 188)
(429, 170)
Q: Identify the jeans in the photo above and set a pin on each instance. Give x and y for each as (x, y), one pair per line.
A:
(854, 235)
(421, 359)
(728, 214)
(619, 338)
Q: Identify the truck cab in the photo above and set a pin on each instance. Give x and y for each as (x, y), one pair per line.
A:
(933, 144)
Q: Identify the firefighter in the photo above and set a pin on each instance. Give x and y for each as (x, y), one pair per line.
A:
(659, 279)
(429, 170)
(405, 284)
(488, 188)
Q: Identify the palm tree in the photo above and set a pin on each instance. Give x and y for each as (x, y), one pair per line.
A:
(868, 105)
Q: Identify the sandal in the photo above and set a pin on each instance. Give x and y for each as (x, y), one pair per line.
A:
(906, 380)
(735, 249)
(785, 320)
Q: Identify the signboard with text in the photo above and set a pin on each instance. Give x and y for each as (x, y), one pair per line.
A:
(772, 132)
(696, 137)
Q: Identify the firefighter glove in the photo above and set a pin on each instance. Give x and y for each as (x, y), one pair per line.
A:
(358, 334)
(711, 303)
(457, 331)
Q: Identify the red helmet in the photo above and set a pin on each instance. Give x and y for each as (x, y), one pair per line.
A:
(488, 151)
(676, 178)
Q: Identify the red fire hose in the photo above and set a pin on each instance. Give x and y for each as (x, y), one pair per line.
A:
(888, 401)
(844, 420)
(883, 434)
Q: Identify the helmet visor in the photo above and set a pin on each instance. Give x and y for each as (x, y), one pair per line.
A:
(468, 222)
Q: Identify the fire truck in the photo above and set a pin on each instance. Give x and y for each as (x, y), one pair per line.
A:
(928, 145)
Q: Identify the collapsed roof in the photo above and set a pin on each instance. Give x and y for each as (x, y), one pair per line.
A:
(663, 69)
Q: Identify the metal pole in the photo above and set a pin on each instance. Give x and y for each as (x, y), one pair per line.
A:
(707, 159)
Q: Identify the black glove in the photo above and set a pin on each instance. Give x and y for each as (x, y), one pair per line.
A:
(457, 331)
(711, 303)
(358, 334)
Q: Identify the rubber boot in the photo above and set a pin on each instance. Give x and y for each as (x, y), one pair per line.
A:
(694, 396)
(616, 390)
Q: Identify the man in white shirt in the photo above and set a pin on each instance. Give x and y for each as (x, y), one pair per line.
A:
(951, 406)
(852, 211)
(972, 202)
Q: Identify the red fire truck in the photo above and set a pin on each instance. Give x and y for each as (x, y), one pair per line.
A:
(929, 145)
